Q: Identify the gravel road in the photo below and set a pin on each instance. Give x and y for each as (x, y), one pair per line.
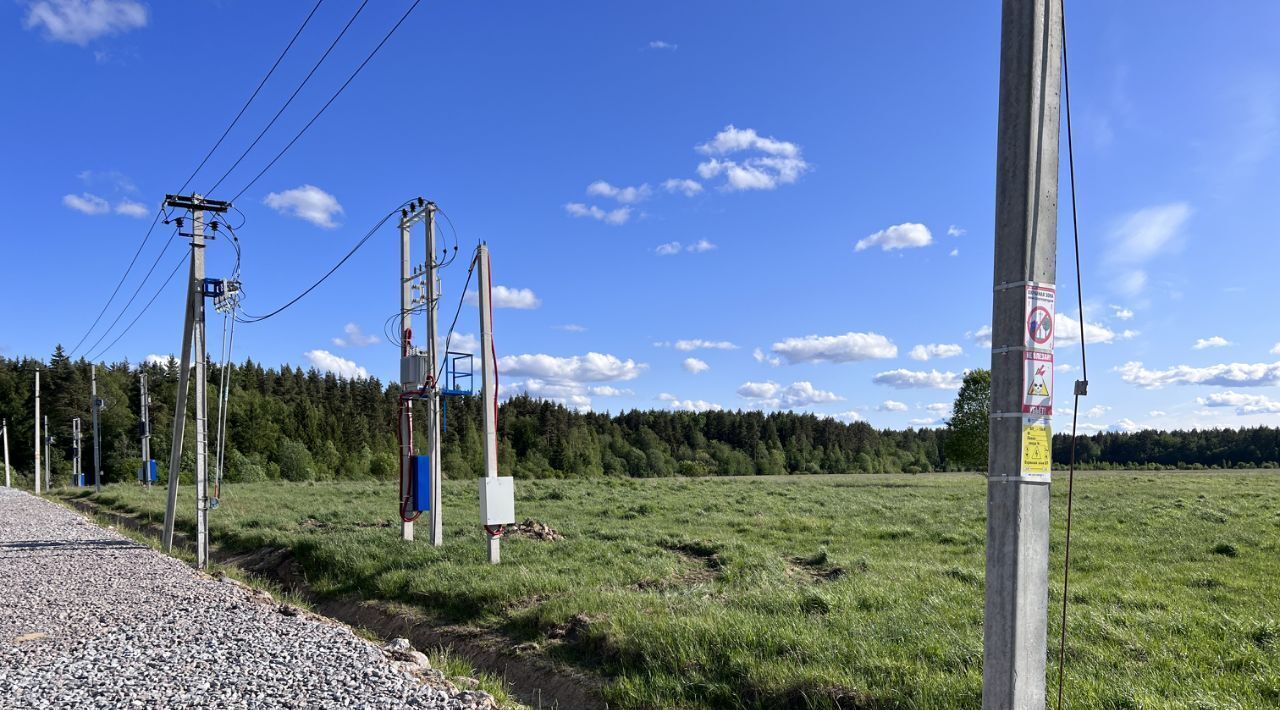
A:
(91, 619)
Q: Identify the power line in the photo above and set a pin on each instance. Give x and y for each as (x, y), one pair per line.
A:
(333, 98)
(120, 283)
(144, 308)
(292, 96)
(136, 291)
(253, 96)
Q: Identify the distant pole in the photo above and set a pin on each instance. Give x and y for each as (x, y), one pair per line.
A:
(1015, 623)
(488, 391)
(37, 471)
(75, 453)
(48, 440)
(146, 431)
(97, 439)
(433, 364)
(5, 430)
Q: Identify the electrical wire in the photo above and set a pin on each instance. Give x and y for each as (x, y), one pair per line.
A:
(144, 308)
(328, 103)
(119, 283)
(124, 309)
(1082, 385)
(292, 96)
(256, 319)
(252, 96)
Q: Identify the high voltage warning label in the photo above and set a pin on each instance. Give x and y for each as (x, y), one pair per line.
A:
(1037, 449)
(1040, 316)
(1037, 383)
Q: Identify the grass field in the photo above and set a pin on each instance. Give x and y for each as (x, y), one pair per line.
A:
(824, 591)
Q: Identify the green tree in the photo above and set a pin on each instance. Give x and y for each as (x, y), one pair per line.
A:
(966, 444)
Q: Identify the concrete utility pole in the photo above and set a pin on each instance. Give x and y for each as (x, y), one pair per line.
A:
(97, 447)
(37, 470)
(193, 347)
(5, 430)
(488, 395)
(1014, 645)
(48, 441)
(75, 453)
(406, 406)
(433, 361)
(145, 431)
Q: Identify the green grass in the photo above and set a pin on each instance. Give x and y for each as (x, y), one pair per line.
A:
(824, 591)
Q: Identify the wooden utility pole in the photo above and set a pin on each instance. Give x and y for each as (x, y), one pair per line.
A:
(1020, 453)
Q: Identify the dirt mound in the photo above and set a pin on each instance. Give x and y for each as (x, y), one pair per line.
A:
(535, 530)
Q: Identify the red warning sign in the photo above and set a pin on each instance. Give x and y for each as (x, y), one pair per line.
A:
(1040, 316)
(1037, 383)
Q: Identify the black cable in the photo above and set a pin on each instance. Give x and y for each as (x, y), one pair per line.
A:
(333, 98)
(136, 291)
(144, 309)
(445, 356)
(120, 283)
(1082, 385)
(254, 319)
(292, 96)
(253, 96)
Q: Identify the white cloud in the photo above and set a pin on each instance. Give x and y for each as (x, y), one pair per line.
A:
(592, 367)
(614, 217)
(890, 405)
(908, 235)
(954, 252)
(1125, 426)
(672, 248)
(1067, 332)
(774, 396)
(571, 328)
(687, 187)
(461, 343)
(1097, 411)
(981, 336)
(355, 337)
(700, 246)
(954, 231)
(1243, 403)
(1131, 282)
(129, 208)
(625, 195)
(690, 405)
(1140, 237)
(668, 249)
(306, 202)
(110, 178)
(850, 347)
(935, 351)
(776, 163)
(520, 298)
(1236, 374)
(1156, 413)
(848, 417)
(609, 391)
(86, 203)
(1121, 313)
(154, 359)
(659, 44)
(925, 421)
(1216, 341)
(328, 362)
(699, 344)
(918, 379)
(694, 365)
(570, 394)
(82, 21)
(938, 407)
(770, 360)
(1275, 349)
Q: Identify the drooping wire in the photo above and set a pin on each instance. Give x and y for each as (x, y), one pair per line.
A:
(462, 297)
(124, 309)
(252, 96)
(292, 96)
(119, 283)
(328, 103)
(144, 308)
(1081, 385)
(247, 318)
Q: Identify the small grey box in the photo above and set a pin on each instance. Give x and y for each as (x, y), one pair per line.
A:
(497, 500)
(413, 371)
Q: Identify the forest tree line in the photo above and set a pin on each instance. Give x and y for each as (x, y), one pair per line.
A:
(298, 425)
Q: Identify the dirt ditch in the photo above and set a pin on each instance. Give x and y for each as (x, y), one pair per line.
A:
(534, 680)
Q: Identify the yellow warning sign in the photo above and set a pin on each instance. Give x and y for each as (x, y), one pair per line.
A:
(1037, 449)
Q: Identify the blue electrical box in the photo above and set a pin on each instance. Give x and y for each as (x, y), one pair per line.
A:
(148, 468)
(77, 479)
(420, 475)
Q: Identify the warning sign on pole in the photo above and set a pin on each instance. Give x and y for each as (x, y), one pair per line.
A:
(1037, 449)
(1037, 383)
(1040, 316)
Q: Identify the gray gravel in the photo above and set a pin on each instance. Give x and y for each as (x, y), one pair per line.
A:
(91, 619)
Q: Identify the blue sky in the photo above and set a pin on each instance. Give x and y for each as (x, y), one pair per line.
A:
(674, 193)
